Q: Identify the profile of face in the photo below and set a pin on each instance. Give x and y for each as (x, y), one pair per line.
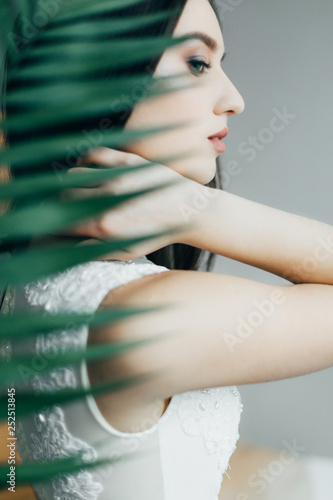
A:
(203, 108)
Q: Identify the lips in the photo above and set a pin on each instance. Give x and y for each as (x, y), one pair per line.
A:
(216, 140)
(220, 135)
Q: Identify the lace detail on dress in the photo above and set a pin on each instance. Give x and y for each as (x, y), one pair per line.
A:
(25, 453)
(52, 344)
(214, 415)
(82, 288)
(54, 441)
(79, 487)
(79, 289)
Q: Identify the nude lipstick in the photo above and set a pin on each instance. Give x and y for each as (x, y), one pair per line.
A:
(216, 140)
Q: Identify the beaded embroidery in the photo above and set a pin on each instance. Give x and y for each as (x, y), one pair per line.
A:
(78, 289)
(211, 415)
(214, 415)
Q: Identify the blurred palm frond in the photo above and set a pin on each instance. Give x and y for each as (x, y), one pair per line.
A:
(68, 70)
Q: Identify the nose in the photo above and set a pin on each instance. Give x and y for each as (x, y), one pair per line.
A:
(229, 99)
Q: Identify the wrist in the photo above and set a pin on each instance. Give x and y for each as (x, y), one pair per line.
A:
(196, 214)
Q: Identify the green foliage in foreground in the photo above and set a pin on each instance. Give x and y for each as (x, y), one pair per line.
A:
(61, 95)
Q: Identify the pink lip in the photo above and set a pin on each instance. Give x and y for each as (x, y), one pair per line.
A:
(216, 140)
(221, 135)
(219, 145)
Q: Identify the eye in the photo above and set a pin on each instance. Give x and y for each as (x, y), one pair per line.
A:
(198, 66)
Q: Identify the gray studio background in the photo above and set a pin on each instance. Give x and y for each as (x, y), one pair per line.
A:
(280, 56)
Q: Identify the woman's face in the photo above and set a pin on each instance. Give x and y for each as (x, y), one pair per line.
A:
(205, 107)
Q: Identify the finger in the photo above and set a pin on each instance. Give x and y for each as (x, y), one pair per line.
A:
(84, 193)
(79, 170)
(124, 255)
(94, 188)
(111, 157)
(89, 229)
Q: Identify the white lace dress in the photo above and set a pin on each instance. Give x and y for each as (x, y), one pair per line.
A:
(181, 457)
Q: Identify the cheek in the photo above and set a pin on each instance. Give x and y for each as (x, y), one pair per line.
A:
(186, 107)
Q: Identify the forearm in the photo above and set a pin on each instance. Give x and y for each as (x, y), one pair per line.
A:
(291, 246)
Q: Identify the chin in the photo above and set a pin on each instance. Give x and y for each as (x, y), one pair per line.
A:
(199, 168)
(210, 174)
(202, 172)
(203, 168)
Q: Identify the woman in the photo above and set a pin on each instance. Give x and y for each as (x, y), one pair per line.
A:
(174, 433)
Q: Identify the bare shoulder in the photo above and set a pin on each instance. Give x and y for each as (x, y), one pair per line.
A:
(216, 330)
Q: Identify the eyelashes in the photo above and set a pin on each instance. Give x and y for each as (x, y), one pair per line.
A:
(198, 66)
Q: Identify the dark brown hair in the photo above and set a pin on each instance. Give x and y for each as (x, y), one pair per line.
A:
(175, 256)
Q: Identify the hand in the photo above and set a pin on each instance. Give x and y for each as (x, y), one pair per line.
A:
(156, 212)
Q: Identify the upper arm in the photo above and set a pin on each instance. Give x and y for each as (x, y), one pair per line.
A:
(218, 330)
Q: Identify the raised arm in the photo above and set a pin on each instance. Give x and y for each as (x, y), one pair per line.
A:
(218, 331)
(296, 248)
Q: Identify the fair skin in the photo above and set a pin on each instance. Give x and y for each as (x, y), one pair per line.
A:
(198, 341)
(204, 108)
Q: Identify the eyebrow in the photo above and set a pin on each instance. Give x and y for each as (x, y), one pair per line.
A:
(207, 40)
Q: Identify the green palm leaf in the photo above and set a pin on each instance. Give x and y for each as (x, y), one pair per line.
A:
(23, 155)
(12, 371)
(27, 403)
(61, 85)
(22, 267)
(78, 110)
(62, 31)
(46, 185)
(31, 324)
(36, 472)
(76, 8)
(29, 222)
